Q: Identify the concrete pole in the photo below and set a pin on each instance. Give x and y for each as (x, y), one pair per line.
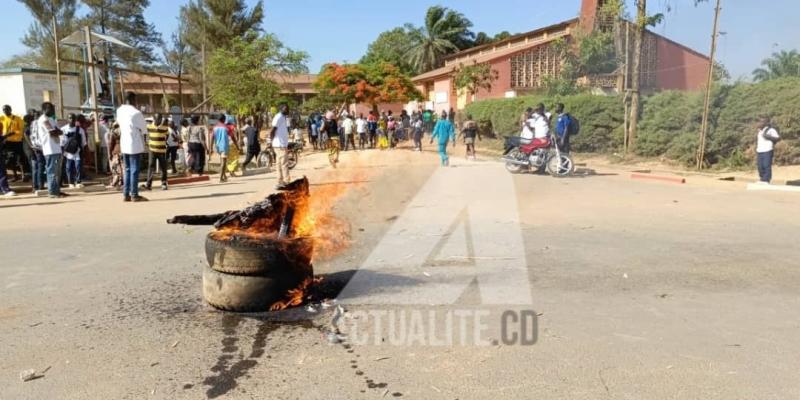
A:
(93, 87)
(701, 151)
(58, 69)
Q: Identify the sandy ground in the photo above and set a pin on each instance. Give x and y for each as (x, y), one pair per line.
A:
(641, 290)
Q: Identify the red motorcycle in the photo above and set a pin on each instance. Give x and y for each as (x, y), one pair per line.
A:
(538, 155)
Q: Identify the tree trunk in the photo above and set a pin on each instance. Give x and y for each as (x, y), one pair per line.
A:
(636, 73)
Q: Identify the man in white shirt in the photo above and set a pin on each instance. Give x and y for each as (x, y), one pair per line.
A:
(132, 128)
(49, 137)
(348, 125)
(361, 129)
(765, 148)
(280, 141)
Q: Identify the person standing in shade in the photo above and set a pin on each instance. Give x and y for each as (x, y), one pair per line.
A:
(132, 131)
(444, 132)
(115, 157)
(5, 190)
(105, 128)
(49, 137)
(13, 128)
(220, 142)
(173, 144)
(253, 143)
(765, 149)
(279, 135)
(198, 145)
(72, 142)
(36, 156)
(157, 134)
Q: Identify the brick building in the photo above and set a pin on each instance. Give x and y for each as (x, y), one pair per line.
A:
(524, 61)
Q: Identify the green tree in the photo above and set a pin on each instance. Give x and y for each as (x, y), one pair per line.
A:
(445, 32)
(177, 57)
(780, 65)
(39, 37)
(217, 23)
(124, 19)
(392, 47)
(475, 77)
(242, 75)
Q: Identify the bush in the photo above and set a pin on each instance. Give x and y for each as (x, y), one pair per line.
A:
(600, 117)
(670, 122)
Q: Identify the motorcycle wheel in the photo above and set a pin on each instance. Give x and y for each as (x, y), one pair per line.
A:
(292, 158)
(262, 160)
(562, 166)
(513, 168)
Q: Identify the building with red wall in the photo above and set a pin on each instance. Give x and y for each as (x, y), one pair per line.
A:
(523, 62)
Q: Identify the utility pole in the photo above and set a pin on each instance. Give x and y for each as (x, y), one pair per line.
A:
(707, 105)
(636, 74)
(58, 68)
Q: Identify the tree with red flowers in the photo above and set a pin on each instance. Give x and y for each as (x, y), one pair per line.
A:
(371, 84)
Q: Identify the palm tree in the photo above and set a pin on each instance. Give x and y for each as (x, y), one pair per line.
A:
(445, 32)
(780, 65)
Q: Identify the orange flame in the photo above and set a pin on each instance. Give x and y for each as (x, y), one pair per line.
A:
(295, 297)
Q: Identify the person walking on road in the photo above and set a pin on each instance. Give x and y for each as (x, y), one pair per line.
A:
(132, 131)
(220, 142)
(157, 134)
(444, 132)
(279, 135)
(372, 127)
(173, 145)
(253, 143)
(417, 126)
(765, 148)
(331, 128)
(470, 132)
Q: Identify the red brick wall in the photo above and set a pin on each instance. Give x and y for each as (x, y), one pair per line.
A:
(588, 14)
(679, 68)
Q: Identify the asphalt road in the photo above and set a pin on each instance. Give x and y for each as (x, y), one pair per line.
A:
(640, 290)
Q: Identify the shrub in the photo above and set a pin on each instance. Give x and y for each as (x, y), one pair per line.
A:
(600, 117)
(670, 121)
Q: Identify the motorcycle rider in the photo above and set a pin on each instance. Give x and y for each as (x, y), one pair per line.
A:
(539, 123)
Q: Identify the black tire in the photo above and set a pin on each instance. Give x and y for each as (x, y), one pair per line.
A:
(292, 159)
(511, 167)
(243, 256)
(241, 293)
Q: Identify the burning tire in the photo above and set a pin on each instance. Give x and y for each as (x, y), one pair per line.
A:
(244, 256)
(240, 293)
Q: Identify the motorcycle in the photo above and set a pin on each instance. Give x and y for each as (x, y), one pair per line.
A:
(268, 158)
(536, 155)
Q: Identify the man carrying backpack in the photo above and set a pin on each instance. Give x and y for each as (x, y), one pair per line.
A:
(73, 141)
(765, 148)
(566, 126)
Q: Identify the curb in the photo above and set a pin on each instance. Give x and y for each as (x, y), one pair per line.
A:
(774, 188)
(670, 179)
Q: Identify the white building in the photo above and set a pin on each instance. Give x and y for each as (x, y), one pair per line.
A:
(27, 88)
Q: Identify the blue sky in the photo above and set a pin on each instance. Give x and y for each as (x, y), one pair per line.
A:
(340, 31)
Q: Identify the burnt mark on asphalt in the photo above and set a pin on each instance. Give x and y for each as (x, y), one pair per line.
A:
(226, 374)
